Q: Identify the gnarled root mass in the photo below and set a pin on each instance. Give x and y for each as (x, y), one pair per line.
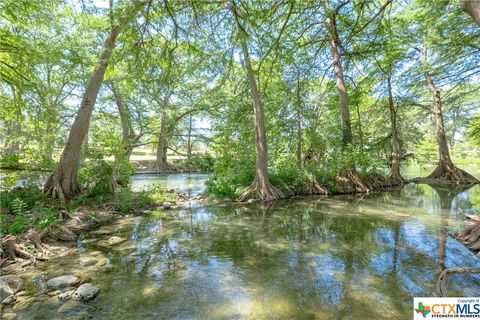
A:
(378, 182)
(60, 186)
(314, 187)
(452, 174)
(261, 191)
(350, 182)
(470, 237)
(13, 246)
(443, 277)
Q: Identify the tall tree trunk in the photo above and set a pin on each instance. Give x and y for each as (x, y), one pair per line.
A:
(161, 160)
(347, 136)
(63, 181)
(261, 183)
(446, 170)
(14, 131)
(189, 138)
(128, 135)
(347, 181)
(395, 168)
(298, 110)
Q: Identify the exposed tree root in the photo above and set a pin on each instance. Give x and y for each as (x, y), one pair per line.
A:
(379, 182)
(34, 237)
(470, 237)
(350, 182)
(259, 191)
(442, 279)
(13, 246)
(451, 174)
(59, 188)
(314, 187)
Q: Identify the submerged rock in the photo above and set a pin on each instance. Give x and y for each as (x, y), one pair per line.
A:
(9, 315)
(9, 285)
(69, 306)
(85, 292)
(114, 240)
(8, 300)
(66, 295)
(63, 281)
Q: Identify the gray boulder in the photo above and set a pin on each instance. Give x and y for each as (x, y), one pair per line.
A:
(9, 285)
(85, 292)
(61, 282)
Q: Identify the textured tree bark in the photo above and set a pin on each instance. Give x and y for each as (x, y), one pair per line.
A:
(298, 110)
(189, 138)
(128, 134)
(261, 183)
(472, 7)
(347, 136)
(12, 144)
(161, 160)
(446, 170)
(348, 181)
(63, 182)
(395, 175)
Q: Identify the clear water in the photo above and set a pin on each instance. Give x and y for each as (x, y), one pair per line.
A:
(339, 257)
(188, 183)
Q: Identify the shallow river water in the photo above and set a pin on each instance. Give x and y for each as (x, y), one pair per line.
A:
(339, 257)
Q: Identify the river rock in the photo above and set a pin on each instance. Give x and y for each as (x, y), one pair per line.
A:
(8, 300)
(114, 240)
(167, 205)
(88, 262)
(9, 316)
(69, 306)
(66, 295)
(23, 304)
(63, 281)
(85, 292)
(9, 285)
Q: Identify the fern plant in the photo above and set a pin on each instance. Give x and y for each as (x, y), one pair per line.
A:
(19, 207)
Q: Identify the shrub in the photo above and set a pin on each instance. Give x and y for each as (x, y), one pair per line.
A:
(230, 184)
(203, 162)
(127, 201)
(101, 178)
(159, 194)
(28, 195)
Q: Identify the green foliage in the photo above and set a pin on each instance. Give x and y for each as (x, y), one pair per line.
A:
(21, 198)
(18, 226)
(18, 206)
(229, 185)
(202, 162)
(97, 178)
(10, 160)
(127, 201)
(46, 216)
(101, 178)
(474, 131)
(159, 194)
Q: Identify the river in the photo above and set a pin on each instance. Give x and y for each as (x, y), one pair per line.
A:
(338, 257)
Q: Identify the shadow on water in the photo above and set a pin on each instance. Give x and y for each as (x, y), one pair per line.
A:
(341, 257)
